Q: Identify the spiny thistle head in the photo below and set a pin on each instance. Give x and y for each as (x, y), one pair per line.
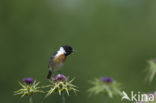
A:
(29, 87)
(105, 85)
(151, 70)
(61, 84)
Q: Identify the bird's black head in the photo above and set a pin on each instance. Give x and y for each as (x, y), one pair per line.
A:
(68, 49)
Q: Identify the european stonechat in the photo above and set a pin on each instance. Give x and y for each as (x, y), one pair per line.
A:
(58, 58)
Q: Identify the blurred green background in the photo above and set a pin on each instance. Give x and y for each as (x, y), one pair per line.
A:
(111, 37)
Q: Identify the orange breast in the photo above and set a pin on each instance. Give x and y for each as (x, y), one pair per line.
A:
(60, 58)
(58, 62)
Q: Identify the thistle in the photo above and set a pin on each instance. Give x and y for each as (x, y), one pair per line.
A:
(61, 84)
(29, 88)
(151, 70)
(106, 86)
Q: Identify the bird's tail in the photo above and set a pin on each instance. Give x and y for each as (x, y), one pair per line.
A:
(49, 74)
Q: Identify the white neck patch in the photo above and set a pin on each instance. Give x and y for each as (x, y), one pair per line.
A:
(60, 51)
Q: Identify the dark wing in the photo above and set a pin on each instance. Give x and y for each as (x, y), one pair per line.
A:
(51, 59)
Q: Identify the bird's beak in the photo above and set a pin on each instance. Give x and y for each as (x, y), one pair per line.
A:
(73, 50)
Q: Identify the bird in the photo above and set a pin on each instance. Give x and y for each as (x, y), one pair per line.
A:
(58, 59)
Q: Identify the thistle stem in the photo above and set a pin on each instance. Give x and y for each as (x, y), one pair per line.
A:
(30, 99)
(105, 98)
(63, 98)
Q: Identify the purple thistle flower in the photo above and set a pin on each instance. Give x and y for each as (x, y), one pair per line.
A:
(107, 79)
(59, 77)
(28, 81)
